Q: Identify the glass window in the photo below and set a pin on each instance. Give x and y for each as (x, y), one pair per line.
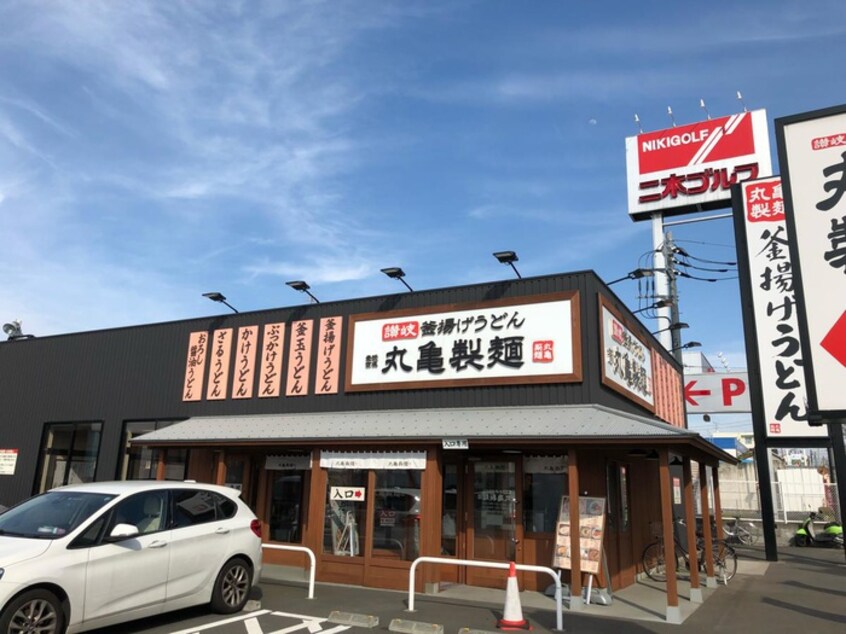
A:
(286, 505)
(396, 514)
(226, 508)
(494, 507)
(450, 509)
(619, 512)
(92, 534)
(541, 500)
(146, 511)
(51, 515)
(140, 463)
(345, 512)
(193, 507)
(69, 454)
(625, 515)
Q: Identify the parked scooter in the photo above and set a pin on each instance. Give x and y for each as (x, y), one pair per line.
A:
(831, 534)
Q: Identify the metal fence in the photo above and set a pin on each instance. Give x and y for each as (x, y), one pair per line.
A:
(792, 501)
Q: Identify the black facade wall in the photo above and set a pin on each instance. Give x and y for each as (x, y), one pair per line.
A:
(137, 373)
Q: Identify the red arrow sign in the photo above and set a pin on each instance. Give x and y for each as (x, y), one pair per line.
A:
(835, 341)
(689, 392)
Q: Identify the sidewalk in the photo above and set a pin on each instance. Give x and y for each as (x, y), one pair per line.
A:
(803, 592)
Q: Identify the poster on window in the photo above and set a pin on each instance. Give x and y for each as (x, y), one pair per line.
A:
(8, 461)
(591, 528)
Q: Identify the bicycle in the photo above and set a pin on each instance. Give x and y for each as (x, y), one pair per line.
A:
(655, 562)
(745, 533)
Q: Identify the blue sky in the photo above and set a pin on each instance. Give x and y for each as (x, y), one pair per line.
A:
(150, 152)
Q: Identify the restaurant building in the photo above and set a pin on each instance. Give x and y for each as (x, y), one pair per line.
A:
(449, 422)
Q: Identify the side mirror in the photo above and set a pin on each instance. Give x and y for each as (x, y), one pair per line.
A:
(123, 531)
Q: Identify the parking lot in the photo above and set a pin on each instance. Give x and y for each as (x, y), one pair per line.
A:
(804, 591)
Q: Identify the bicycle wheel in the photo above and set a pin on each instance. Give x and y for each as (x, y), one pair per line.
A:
(725, 562)
(655, 563)
(752, 534)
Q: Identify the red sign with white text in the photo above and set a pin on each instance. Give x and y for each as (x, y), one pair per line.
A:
(692, 167)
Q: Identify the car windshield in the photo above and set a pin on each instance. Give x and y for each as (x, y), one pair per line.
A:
(51, 515)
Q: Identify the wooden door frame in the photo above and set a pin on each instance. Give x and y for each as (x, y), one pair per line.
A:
(469, 515)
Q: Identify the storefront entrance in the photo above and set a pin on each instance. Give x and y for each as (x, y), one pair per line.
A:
(481, 502)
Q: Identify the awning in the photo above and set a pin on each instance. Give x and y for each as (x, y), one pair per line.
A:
(559, 423)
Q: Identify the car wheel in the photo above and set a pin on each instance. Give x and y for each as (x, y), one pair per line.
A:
(33, 611)
(232, 587)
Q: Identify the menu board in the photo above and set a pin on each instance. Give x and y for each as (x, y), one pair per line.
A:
(591, 529)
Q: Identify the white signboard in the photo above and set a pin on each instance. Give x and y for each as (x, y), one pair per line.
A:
(373, 460)
(346, 494)
(812, 152)
(773, 306)
(692, 167)
(455, 443)
(712, 393)
(485, 344)
(8, 461)
(626, 360)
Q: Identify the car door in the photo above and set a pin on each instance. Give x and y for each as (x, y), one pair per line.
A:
(200, 542)
(130, 574)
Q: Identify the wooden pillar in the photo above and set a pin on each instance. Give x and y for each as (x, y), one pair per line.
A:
(576, 601)
(673, 612)
(690, 519)
(708, 554)
(161, 464)
(220, 467)
(718, 507)
(262, 505)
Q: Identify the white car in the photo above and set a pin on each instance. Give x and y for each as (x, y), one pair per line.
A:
(86, 556)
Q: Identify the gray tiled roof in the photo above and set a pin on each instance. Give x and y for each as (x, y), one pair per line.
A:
(560, 421)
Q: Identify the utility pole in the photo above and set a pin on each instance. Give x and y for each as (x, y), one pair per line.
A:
(668, 250)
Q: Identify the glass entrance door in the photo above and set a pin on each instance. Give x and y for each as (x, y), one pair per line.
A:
(494, 527)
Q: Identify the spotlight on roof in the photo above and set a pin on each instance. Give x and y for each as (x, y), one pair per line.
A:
(13, 329)
(219, 298)
(396, 273)
(508, 257)
(299, 285)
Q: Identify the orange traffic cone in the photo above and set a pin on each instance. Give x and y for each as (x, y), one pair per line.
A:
(512, 615)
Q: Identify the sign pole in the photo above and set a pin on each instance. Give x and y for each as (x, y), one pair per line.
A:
(838, 446)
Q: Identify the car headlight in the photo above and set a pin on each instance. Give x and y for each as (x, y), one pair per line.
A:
(1, 573)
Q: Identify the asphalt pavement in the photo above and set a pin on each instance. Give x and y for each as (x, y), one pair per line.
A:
(803, 593)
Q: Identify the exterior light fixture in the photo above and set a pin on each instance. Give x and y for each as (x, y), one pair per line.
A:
(396, 273)
(219, 297)
(633, 275)
(679, 325)
(299, 285)
(13, 329)
(508, 257)
(661, 303)
(689, 344)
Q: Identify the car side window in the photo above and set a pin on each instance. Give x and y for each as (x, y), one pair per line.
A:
(226, 508)
(191, 507)
(92, 535)
(146, 511)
